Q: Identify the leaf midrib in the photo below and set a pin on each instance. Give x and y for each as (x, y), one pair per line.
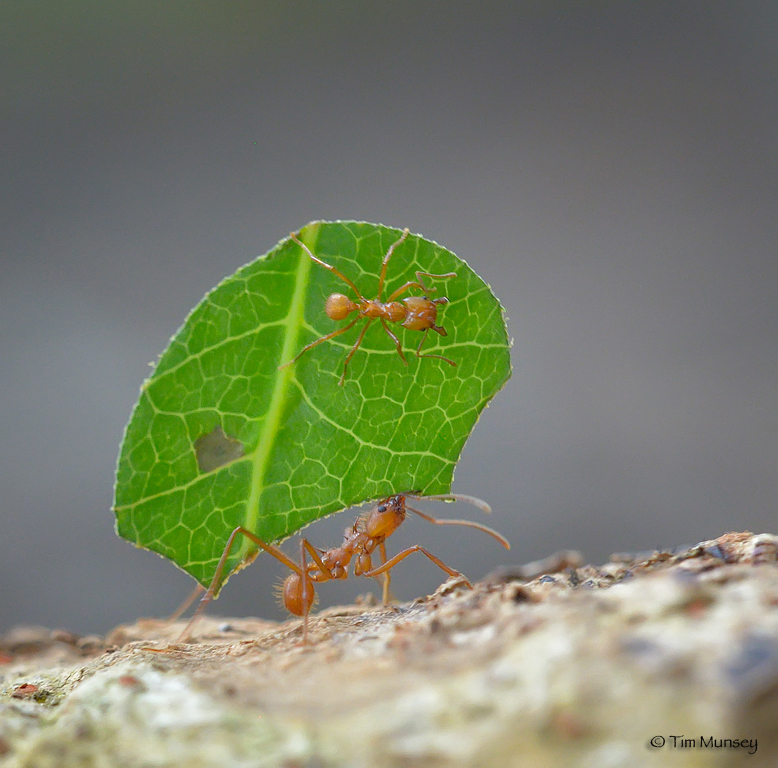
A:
(281, 389)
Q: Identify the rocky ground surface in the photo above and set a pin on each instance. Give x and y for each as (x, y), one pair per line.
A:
(658, 659)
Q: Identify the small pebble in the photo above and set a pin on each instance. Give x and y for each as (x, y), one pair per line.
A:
(24, 691)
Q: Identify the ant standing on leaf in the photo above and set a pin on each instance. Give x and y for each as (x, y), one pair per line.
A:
(416, 313)
(368, 533)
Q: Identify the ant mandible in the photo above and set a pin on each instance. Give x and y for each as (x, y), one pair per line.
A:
(416, 313)
(368, 533)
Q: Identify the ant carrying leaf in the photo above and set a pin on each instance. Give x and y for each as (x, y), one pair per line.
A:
(220, 438)
(416, 313)
(368, 533)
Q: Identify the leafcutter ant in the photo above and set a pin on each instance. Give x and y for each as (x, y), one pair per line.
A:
(416, 313)
(360, 541)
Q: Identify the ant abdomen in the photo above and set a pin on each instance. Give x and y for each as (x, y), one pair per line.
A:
(296, 600)
(339, 307)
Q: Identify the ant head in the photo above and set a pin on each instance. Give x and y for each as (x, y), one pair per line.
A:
(338, 306)
(395, 503)
(384, 519)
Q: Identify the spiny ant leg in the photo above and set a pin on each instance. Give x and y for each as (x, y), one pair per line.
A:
(354, 349)
(387, 592)
(326, 266)
(429, 354)
(215, 582)
(319, 341)
(405, 287)
(445, 276)
(385, 262)
(416, 548)
(395, 340)
(317, 560)
(307, 587)
(181, 610)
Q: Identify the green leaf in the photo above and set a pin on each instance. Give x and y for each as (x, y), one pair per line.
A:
(221, 437)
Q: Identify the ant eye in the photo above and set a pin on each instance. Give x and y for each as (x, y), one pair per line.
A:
(382, 508)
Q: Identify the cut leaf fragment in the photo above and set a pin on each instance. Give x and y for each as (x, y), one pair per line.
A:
(221, 437)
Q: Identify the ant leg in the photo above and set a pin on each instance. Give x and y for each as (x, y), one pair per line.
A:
(307, 582)
(405, 287)
(319, 341)
(317, 560)
(466, 523)
(418, 283)
(445, 276)
(326, 266)
(181, 610)
(415, 548)
(387, 592)
(395, 340)
(354, 349)
(429, 354)
(385, 262)
(307, 586)
(216, 581)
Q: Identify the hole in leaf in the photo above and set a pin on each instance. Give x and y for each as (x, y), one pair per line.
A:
(216, 449)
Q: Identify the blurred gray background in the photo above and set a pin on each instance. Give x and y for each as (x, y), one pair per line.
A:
(609, 168)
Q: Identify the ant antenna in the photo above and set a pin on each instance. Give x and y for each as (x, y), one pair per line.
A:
(474, 500)
(467, 523)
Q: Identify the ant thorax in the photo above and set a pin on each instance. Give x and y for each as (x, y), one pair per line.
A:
(372, 308)
(337, 561)
(396, 311)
